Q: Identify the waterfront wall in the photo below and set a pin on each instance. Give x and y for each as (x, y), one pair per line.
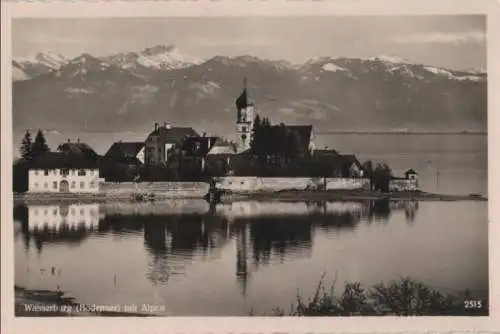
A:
(243, 184)
(165, 189)
(403, 185)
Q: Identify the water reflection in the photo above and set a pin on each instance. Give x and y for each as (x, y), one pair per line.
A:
(176, 234)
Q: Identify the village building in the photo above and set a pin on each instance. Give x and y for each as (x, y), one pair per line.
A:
(197, 148)
(333, 164)
(63, 172)
(128, 153)
(407, 183)
(162, 140)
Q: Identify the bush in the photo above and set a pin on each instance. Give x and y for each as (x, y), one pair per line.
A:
(403, 297)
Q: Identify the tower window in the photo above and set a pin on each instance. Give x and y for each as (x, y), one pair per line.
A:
(244, 129)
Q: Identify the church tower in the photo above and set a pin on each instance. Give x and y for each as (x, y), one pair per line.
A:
(244, 120)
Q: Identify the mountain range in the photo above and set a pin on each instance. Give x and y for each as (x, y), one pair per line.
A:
(130, 91)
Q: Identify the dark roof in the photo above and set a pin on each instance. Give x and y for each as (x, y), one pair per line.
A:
(333, 158)
(174, 135)
(76, 148)
(326, 153)
(198, 145)
(350, 159)
(242, 100)
(50, 160)
(120, 150)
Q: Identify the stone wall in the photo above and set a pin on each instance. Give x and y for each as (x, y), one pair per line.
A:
(240, 183)
(347, 183)
(165, 189)
(403, 185)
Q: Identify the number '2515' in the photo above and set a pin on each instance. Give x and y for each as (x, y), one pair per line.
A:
(474, 304)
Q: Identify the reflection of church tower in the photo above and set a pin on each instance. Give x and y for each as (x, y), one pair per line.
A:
(241, 257)
(244, 120)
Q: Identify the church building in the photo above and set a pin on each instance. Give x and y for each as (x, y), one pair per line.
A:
(244, 120)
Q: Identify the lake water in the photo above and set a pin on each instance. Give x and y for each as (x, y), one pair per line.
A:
(243, 256)
(233, 258)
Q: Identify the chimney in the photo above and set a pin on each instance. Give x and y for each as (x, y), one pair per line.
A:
(204, 134)
(69, 140)
(77, 140)
(156, 126)
(167, 125)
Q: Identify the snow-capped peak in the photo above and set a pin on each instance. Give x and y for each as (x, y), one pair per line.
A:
(165, 58)
(450, 75)
(49, 59)
(388, 59)
(331, 67)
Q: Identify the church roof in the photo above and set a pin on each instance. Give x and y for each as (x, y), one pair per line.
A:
(242, 100)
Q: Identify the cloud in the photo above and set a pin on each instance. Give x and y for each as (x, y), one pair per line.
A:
(441, 37)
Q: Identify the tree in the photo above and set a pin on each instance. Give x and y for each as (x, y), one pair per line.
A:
(39, 145)
(26, 146)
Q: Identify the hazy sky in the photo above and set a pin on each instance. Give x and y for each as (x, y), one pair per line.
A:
(456, 42)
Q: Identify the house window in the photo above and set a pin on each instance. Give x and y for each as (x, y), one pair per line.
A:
(54, 184)
(82, 185)
(92, 184)
(64, 172)
(46, 172)
(45, 185)
(244, 129)
(54, 172)
(54, 212)
(36, 172)
(35, 184)
(73, 172)
(81, 172)
(73, 184)
(91, 172)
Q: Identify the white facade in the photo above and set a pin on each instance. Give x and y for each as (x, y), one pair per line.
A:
(244, 128)
(140, 156)
(64, 180)
(55, 217)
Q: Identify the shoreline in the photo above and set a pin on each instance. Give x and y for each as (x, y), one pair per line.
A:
(227, 196)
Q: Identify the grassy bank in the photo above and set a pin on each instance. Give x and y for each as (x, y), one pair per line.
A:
(403, 297)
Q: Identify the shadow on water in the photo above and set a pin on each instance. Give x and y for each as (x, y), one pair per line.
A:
(264, 232)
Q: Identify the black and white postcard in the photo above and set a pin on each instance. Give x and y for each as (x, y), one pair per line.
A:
(183, 163)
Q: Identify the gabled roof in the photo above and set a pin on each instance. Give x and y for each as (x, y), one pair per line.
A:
(223, 149)
(52, 160)
(76, 148)
(121, 150)
(174, 135)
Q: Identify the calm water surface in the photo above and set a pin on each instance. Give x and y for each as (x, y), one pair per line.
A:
(243, 256)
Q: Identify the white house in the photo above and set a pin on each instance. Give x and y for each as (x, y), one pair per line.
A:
(56, 217)
(54, 172)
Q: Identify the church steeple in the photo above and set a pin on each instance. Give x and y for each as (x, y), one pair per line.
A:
(242, 100)
(244, 118)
